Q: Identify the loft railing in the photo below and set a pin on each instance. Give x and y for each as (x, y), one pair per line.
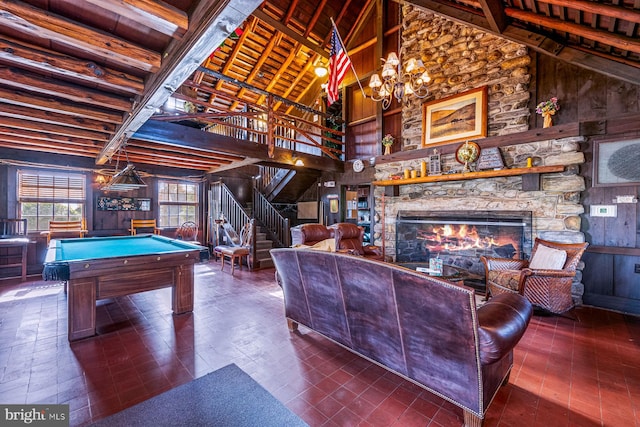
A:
(265, 124)
(270, 218)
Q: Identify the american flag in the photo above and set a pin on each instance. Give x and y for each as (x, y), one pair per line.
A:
(339, 63)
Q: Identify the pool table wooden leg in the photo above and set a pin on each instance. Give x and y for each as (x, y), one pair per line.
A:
(182, 291)
(81, 300)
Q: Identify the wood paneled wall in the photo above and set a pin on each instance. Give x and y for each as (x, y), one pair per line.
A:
(609, 276)
(583, 94)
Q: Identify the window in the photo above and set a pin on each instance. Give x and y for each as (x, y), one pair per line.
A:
(45, 196)
(178, 203)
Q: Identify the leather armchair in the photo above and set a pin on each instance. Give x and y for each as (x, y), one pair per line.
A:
(350, 238)
(310, 234)
(547, 288)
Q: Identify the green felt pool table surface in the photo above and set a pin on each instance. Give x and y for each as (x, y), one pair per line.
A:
(119, 246)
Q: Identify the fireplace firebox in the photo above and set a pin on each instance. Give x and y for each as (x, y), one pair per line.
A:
(459, 239)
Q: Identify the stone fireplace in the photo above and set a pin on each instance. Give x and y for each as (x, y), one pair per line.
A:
(555, 206)
(459, 239)
(461, 58)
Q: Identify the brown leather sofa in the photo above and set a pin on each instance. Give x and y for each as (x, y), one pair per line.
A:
(421, 327)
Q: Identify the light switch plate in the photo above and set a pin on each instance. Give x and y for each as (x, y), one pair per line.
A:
(604, 210)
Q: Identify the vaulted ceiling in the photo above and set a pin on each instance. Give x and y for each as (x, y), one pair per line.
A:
(84, 78)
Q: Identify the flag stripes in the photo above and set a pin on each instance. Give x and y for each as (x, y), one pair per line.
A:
(339, 63)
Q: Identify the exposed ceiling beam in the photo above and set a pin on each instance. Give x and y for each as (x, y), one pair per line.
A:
(361, 21)
(182, 136)
(216, 20)
(65, 67)
(84, 161)
(279, 26)
(537, 42)
(260, 91)
(155, 14)
(621, 42)
(494, 12)
(28, 19)
(53, 129)
(599, 8)
(54, 139)
(24, 80)
(16, 97)
(27, 113)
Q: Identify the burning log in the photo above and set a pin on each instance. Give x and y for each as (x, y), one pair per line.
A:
(505, 251)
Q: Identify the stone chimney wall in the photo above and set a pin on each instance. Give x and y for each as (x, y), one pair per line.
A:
(458, 59)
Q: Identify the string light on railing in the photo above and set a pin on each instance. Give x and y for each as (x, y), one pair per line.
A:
(398, 84)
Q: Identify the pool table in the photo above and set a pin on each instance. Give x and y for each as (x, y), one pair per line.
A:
(105, 267)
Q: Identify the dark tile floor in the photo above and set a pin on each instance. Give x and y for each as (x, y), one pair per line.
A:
(566, 373)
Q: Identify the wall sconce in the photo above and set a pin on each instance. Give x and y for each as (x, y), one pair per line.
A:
(297, 161)
(101, 179)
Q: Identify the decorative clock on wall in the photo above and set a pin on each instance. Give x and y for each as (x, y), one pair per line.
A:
(358, 166)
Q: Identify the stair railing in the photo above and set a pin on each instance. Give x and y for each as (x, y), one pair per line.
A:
(276, 225)
(267, 174)
(233, 211)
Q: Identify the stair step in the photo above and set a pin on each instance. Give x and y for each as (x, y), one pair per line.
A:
(265, 263)
(264, 244)
(263, 253)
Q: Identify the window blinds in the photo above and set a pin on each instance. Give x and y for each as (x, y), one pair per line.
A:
(50, 186)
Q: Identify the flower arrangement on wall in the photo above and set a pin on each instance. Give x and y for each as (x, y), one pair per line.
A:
(547, 109)
(387, 141)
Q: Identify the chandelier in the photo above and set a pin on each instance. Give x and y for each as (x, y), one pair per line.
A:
(398, 84)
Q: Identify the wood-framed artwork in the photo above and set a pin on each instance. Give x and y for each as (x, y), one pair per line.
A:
(616, 163)
(455, 118)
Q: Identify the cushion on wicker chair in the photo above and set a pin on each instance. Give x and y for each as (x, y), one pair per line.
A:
(506, 278)
(546, 258)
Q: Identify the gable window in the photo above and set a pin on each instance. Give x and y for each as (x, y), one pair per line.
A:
(178, 203)
(45, 196)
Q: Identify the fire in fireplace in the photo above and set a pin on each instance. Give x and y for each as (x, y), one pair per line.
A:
(459, 239)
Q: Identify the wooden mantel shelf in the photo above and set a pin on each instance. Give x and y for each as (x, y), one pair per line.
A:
(471, 175)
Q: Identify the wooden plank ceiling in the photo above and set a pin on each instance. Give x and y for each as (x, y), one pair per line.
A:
(79, 78)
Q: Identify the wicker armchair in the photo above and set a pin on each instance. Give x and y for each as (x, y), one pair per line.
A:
(549, 289)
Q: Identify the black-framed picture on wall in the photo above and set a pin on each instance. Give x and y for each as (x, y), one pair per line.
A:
(616, 163)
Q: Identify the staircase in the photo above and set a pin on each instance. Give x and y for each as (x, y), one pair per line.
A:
(262, 247)
(271, 228)
(262, 244)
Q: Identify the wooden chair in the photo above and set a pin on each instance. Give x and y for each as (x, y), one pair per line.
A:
(65, 229)
(13, 237)
(149, 224)
(546, 287)
(237, 251)
(188, 232)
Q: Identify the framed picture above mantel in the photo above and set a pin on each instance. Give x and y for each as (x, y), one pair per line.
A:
(455, 118)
